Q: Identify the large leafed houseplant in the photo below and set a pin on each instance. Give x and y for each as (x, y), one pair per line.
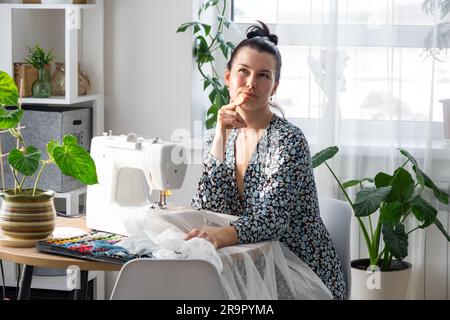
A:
(383, 205)
(28, 162)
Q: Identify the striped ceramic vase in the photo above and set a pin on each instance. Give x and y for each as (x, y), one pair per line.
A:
(27, 217)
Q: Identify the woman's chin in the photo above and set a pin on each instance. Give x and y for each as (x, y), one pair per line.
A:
(250, 107)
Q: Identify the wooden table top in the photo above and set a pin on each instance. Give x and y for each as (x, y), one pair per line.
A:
(33, 257)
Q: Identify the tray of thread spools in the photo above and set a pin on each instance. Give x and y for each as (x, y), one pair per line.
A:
(94, 245)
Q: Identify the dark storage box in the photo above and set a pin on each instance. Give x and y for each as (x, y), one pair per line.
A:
(44, 123)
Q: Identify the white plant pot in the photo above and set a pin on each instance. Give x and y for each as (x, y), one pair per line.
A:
(378, 285)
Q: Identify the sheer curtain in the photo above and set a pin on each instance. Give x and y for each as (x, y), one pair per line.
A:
(371, 89)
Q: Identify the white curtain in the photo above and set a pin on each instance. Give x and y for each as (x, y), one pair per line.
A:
(371, 90)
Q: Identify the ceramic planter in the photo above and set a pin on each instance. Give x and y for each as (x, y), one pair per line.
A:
(379, 285)
(27, 217)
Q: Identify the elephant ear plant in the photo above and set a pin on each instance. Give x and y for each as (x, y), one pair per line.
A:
(396, 197)
(28, 161)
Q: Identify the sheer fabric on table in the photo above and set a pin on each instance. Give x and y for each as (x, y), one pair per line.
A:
(266, 270)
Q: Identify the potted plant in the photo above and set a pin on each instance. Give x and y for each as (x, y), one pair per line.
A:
(206, 44)
(30, 214)
(395, 197)
(39, 59)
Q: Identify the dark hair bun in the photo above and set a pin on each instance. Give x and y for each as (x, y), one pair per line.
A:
(262, 31)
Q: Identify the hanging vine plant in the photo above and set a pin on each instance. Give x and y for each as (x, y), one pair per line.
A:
(206, 43)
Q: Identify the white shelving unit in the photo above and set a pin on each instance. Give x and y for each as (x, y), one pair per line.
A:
(74, 32)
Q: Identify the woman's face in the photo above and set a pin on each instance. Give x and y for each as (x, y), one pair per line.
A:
(252, 77)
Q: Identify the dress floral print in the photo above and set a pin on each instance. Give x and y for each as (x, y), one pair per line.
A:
(279, 200)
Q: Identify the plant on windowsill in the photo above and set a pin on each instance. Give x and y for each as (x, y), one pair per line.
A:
(396, 197)
(206, 44)
(34, 205)
(39, 59)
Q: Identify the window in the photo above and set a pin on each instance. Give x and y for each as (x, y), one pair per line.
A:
(386, 74)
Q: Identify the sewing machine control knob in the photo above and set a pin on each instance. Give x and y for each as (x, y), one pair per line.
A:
(132, 137)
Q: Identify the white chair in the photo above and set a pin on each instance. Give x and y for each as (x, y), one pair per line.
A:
(167, 279)
(336, 215)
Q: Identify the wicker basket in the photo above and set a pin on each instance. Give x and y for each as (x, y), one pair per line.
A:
(29, 74)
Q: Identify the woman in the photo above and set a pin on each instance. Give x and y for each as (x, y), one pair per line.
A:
(258, 167)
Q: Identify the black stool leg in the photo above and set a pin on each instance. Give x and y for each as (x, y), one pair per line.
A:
(25, 283)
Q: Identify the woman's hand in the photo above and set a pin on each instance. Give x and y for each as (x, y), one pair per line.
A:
(218, 236)
(207, 235)
(228, 117)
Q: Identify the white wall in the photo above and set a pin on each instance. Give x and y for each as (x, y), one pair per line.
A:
(147, 67)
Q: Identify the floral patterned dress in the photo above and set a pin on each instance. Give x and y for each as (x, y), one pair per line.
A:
(279, 200)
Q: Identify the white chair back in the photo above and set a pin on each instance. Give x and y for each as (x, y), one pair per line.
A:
(167, 279)
(336, 215)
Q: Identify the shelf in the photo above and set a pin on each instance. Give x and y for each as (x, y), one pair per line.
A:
(60, 100)
(76, 38)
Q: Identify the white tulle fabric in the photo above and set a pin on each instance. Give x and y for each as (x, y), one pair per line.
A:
(265, 270)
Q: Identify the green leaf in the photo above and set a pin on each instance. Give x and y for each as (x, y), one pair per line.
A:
(423, 211)
(368, 200)
(324, 155)
(184, 26)
(206, 5)
(70, 139)
(417, 171)
(391, 212)
(206, 83)
(227, 22)
(396, 240)
(382, 180)
(213, 110)
(51, 146)
(196, 28)
(402, 186)
(219, 100)
(438, 193)
(26, 162)
(441, 228)
(10, 119)
(207, 28)
(224, 50)
(212, 95)
(75, 161)
(9, 95)
(352, 183)
(226, 94)
(211, 122)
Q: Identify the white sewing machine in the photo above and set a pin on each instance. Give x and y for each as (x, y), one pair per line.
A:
(129, 168)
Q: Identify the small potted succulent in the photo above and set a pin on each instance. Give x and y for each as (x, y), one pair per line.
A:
(39, 59)
(30, 213)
